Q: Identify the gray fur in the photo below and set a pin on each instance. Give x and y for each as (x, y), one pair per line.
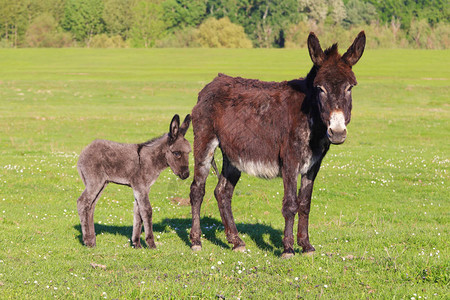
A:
(134, 165)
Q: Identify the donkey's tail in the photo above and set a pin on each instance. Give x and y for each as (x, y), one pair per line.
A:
(213, 164)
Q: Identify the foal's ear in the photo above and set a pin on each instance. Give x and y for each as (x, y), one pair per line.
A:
(315, 51)
(355, 51)
(185, 126)
(174, 127)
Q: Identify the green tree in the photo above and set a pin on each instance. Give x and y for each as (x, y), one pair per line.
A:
(179, 14)
(118, 17)
(316, 10)
(434, 11)
(148, 23)
(83, 18)
(13, 21)
(43, 32)
(338, 11)
(222, 33)
(264, 21)
(359, 12)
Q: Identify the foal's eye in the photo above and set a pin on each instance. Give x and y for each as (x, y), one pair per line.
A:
(348, 89)
(177, 154)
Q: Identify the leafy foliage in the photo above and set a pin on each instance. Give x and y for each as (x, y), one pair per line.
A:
(359, 13)
(104, 41)
(433, 11)
(83, 18)
(43, 32)
(267, 23)
(148, 25)
(118, 17)
(179, 14)
(222, 33)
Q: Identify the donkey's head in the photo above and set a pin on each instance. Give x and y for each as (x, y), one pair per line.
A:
(177, 155)
(333, 84)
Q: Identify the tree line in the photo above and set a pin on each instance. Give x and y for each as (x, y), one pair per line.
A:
(222, 23)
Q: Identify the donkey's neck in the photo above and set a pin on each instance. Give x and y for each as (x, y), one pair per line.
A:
(318, 127)
(152, 154)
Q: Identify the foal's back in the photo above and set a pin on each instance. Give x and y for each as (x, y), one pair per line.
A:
(109, 161)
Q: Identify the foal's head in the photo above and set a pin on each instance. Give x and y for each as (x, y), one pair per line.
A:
(333, 83)
(177, 155)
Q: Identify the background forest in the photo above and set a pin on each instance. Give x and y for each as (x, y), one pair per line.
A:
(222, 23)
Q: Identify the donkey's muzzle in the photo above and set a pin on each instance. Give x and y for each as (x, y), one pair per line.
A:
(336, 136)
(184, 173)
(337, 129)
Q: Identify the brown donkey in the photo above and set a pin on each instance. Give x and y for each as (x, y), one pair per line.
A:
(134, 165)
(270, 129)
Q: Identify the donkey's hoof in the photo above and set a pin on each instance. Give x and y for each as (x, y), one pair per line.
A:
(287, 255)
(239, 249)
(196, 248)
(309, 253)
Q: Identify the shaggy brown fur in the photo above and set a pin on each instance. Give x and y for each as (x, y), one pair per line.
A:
(134, 165)
(270, 129)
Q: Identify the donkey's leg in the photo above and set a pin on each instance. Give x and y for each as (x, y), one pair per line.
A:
(304, 201)
(137, 227)
(224, 192)
(289, 210)
(203, 154)
(146, 212)
(86, 206)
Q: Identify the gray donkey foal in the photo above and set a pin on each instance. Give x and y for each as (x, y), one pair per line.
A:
(134, 165)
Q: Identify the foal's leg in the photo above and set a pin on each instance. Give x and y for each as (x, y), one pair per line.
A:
(145, 211)
(203, 154)
(223, 192)
(304, 201)
(289, 210)
(137, 226)
(86, 206)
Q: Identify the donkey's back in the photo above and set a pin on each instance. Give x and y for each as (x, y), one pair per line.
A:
(252, 119)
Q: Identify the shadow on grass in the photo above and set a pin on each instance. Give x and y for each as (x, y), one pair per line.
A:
(210, 228)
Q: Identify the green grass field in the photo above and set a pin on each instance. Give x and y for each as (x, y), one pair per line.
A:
(380, 211)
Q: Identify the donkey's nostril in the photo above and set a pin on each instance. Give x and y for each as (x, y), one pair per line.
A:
(330, 132)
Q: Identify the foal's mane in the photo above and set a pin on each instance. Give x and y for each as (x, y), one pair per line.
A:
(148, 143)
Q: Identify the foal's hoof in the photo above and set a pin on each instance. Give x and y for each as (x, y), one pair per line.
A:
(196, 248)
(287, 255)
(239, 249)
(90, 244)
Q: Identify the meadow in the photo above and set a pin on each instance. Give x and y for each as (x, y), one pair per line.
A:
(380, 210)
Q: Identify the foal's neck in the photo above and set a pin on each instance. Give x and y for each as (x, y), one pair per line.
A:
(153, 153)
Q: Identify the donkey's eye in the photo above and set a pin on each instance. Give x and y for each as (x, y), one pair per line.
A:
(348, 89)
(177, 154)
(321, 89)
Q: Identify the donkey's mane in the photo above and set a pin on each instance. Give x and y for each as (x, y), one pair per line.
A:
(332, 51)
(250, 83)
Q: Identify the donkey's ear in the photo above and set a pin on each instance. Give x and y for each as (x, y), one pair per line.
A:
(174, 127)
(185, 126)
(315, 51)
(355, 51)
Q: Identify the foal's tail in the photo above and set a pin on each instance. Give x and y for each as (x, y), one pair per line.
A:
(213, 164)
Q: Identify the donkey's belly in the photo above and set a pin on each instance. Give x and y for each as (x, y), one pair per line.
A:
(261, 169)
